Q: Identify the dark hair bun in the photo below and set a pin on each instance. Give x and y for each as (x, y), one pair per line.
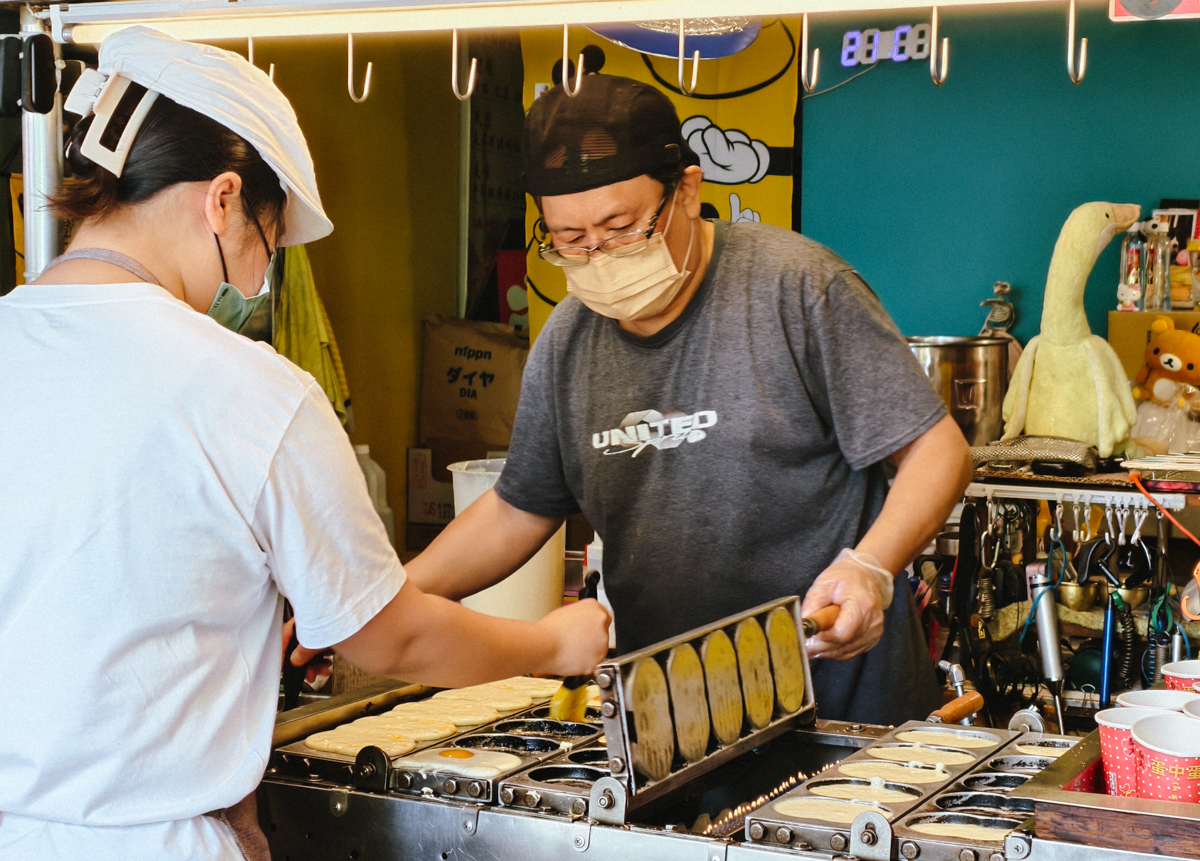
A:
(175, 144)
(79, 164)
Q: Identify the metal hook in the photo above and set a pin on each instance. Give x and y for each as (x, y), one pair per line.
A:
(1056, 529)
(1075, 74)
(938, 79)
(462, 97)
(578, 70)
(250, 57)
(1077, 514)
(1122, 521)
(1108, 515)
(1139, 518)
(695, 65)
(809, 84)
(358, 100)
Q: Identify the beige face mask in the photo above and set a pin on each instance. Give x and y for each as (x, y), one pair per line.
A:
(632, 288)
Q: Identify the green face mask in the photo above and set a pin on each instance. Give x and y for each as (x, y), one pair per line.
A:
(252, 316)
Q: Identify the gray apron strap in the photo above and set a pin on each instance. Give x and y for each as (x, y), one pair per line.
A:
(105, 255)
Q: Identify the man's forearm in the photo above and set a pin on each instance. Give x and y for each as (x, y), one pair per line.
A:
(480, 547)
(933, 471)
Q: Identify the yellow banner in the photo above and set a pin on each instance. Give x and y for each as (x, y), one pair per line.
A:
(739, 121)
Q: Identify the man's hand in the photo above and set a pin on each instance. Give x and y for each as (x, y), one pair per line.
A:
(861, 596)
(581, 632)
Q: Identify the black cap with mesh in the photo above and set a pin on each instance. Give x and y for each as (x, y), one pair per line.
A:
(615, 129)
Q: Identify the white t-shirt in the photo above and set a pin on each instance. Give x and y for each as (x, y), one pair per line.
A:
(164, 482)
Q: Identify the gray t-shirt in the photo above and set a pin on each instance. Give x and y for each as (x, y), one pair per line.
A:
(728, 458)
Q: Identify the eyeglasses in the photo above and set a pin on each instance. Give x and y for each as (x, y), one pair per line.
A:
(622, 245)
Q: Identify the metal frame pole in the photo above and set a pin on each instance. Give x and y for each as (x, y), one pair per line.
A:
(42, 168)
(464, 189)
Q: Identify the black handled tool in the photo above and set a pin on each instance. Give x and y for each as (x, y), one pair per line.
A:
(293, 677)
(570, 701)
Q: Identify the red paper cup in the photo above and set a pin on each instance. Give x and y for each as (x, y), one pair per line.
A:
(1181, 675)
(1168, 757)
(1167, 701)
(1116, 748)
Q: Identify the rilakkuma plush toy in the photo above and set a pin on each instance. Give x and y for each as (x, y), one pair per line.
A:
(1172, 358)
(1069, 383)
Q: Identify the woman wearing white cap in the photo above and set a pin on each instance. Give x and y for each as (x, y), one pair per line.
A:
(167, 482)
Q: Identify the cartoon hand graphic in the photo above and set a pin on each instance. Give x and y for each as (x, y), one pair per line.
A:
(736, 213)
(726, 157)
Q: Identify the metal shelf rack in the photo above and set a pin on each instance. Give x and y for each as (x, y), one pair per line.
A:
(1066, 493)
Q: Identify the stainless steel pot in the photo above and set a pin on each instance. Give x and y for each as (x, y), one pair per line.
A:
(971, 375)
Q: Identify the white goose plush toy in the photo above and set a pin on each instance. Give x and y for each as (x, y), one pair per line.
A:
(1069, 383)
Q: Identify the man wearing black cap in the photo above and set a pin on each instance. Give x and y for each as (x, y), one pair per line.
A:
(720, 401)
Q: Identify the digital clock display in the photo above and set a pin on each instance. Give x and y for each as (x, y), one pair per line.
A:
(867, 47)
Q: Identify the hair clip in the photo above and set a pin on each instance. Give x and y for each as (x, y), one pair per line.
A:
(88, 87)
(120, 109)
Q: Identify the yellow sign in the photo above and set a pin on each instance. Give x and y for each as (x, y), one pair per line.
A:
(739, 121)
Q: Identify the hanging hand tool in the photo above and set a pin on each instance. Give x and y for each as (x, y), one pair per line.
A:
(570, 701)
(1110, 623)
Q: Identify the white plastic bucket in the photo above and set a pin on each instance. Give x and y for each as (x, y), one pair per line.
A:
(534, 589)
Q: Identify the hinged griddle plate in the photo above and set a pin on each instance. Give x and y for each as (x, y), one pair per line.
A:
(637, 786)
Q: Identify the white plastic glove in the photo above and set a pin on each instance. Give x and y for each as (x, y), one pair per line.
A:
(862, 588)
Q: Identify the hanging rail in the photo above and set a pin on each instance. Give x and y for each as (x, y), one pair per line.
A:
(221, 19)
(1069, 494)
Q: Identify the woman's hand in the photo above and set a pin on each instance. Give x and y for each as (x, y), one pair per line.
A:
(318, 661)
(581, 632)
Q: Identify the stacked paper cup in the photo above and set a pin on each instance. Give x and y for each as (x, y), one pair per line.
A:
(1116, 748)
(1150, 745)
(1166, 701)
(1181, 675)
(1168, 757)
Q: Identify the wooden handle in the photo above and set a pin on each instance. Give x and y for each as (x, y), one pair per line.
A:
(822, 620)
(957, 709)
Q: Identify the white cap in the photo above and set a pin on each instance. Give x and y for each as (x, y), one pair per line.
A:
(225, 87)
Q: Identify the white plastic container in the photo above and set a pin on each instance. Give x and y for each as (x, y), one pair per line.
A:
(377, 488)
(534, 589)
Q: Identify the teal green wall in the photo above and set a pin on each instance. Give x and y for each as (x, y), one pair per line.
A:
(935, 193)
